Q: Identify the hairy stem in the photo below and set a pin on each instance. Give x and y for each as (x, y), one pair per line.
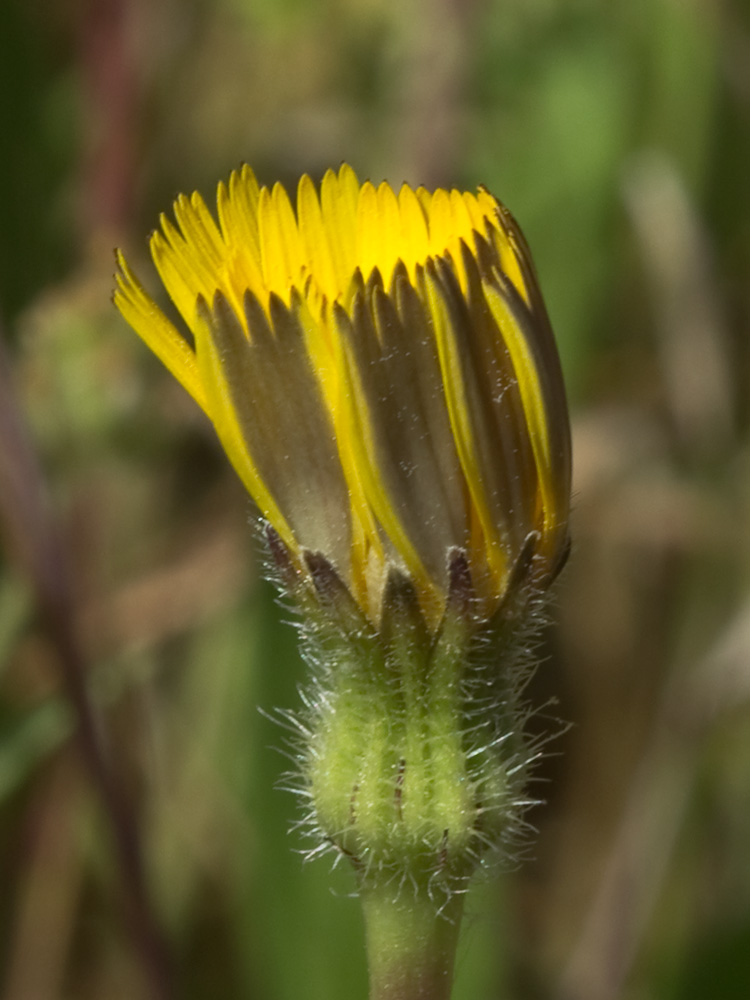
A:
(411, 945)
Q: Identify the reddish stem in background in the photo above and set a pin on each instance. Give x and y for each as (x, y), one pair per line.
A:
(110, 94)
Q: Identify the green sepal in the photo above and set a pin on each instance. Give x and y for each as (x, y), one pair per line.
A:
(414, 756)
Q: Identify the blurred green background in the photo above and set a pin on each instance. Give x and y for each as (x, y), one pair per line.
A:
(619, 135)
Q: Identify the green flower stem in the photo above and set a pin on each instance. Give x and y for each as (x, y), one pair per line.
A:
(411, 946)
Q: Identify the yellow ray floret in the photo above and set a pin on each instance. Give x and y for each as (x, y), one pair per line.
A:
(159, 334)
(366, 316)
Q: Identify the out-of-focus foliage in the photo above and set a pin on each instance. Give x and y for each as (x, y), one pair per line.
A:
(619, 134)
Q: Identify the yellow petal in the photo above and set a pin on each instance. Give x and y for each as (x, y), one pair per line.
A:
(517, 341)
(315, 240)
(159, 334)
(414, 231)
(224, 416)
(338, 203)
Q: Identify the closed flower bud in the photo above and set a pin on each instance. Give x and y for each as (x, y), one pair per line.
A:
(380, 369)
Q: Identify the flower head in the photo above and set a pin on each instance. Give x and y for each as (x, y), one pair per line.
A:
(381, 372)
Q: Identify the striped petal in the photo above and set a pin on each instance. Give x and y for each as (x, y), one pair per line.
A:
(380, 370)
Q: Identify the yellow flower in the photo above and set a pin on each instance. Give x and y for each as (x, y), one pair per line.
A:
(381, 372)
